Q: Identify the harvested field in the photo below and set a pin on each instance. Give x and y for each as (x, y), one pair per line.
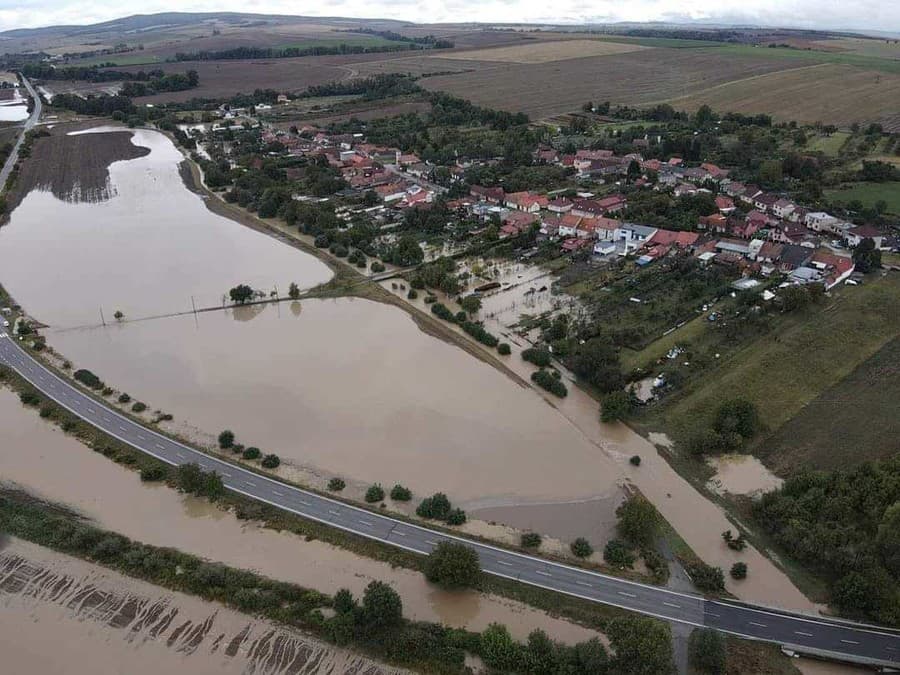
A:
(636, 78)
(854, 421)
(868, 47)
(418, 65)
(361, 113)
(545, 52)
(80, 164)
(807, 95)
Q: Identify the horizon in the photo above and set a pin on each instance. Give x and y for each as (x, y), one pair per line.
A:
(756, 15)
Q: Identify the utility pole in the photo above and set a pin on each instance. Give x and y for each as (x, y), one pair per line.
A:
(193, 305)
(102, 319)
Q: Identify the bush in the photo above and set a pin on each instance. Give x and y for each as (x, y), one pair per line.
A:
(503, 349)
(400, 493)
(436, 507)
(478, 332)
(251, 453)
(616, 406)
(29, 398)
(617, 553)
(638, 521)
(550, 383)
(441, 311)
(153, 473)
(706, 577)
(453, 565)
(124, 398)
(707, 651)
(139, 407)
(531, 540)
(456, 517)
(271, 461)
(376, 267)
(375, 493)
(381, 606)
(413, 294)
(226, 439)
(88, 379)
(107, 391)
(191, 478)
(739, 570)
(538, 356)
(237, 448)
(581, 547)
(635, 460)
(46, 410)
(336, 484)
(734, 543)
(736, 416)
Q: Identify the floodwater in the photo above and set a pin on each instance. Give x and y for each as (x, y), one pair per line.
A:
(41, 459)
(353, 388)
(148, 250)
(59, 614)
(741, 475)
(13, 113)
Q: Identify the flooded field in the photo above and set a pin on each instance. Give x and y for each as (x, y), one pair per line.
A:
(59, 614)
(741, 475)
(147, 250)
(353, 388)
(42, 460)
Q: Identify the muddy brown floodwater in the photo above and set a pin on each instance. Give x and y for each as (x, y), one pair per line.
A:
(59, 614)
(144, 251)
(41, 459)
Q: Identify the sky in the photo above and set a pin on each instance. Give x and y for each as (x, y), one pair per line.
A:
(879, 15)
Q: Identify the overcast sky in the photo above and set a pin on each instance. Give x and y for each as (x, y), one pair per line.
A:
(881, 15)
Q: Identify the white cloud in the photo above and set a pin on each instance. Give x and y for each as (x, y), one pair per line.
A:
(833, 14)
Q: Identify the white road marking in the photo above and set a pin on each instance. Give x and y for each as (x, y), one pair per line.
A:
(672, 604)
(304, 503)
(276, 492)
(366, 523)
(334, 513)
(583, 583)
(543, 573)
(250, 483)
(433, 543)
(714, 614)
(503, 562)
(627, 595)
(180, 455)
(850, 642)
(761, 625)
(121, 428)
(227, 475)
(399, 534)
(160, 446)
(800, 632)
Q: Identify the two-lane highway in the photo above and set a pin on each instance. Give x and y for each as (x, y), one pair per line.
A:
(29, 124)
(802, 632)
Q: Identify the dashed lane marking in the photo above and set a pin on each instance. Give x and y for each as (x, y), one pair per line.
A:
(761, 625)
(627, 595)
(800, 632)
(672, 604)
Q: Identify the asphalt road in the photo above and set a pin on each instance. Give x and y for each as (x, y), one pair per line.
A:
(29, 123)
(801, 632)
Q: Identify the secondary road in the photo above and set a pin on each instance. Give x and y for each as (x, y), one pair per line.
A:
(29, 124)
(801, 632)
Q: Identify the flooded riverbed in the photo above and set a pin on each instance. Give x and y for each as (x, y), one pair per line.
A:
(39, 458)
(145, 251)
(59, 614)
(741, 475)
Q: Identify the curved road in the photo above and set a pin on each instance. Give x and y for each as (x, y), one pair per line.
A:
(29, 124)
(802, 633)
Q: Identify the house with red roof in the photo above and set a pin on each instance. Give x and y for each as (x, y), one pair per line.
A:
(494, 195)
(526, 201)
(725, 204)
(714, 223)
(855, 235)
(681, 239)
(560, 205)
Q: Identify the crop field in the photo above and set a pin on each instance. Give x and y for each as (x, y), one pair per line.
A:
(416, 65)
(866, 47)
(854, 421)
(830, 93)
(636, 78)
(828, 145)
(544, 52)
(869, 194)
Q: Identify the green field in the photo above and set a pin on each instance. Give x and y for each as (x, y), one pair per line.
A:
(810, 57)
(782, 371)
(869, 194)
(854, 421)
(671, 43)
(831, 145)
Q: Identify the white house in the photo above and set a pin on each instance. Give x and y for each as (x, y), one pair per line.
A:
(818, 220)
(855, 235)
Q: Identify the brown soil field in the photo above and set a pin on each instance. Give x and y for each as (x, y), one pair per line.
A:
(418, 65)
(891, 123)
(75, 168)
(637, 78)
(365, 113)
(545, 52)
(829, 93)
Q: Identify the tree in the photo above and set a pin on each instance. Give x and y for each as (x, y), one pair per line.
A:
(399, 493)
(375, 493)
(707, 651)
(407, 251)
(736, 416)
(293, 291)
(504, 349)
(530, 540)
(498, 649)
(251, 453)
(581, 547)
(118, 316)
(470, 303)
(381, 606)
(771, 172)
(866, 257)
(638, 521)
(343, 602)
(271, 461)
(617, 553)
(453, 565)
(888, 539)
(706, 577)
(616, 405)
(336, 484)
(739, 570)
(641, 646)
(240, 294)
(437, 506)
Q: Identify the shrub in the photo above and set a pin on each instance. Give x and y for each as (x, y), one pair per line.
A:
(538, 356)
(271, 461)
(46, 410)
(736, 416)
(88, 379)
(616, 406)
(413, 294)
(440, 310)
(707, 651)
(478, 332)
(124, 398)
(226, 439)
(381, 606)
(635, 460)
(336, 484)
(376, 267)
(581, 547)
(153, 473)
(107, 391)
(29, 398)
(552, 384)
(739, 570)
(461, 317)
(139, 407)
(706, 577)
(617, 553)
(453, 565)
(375, 493)
(503, 349)
(400, 493)
(531, 540)
(638, 521)
(437, 507)
(456, 517)
(237, 448)
(251, 453)
(734, 543)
